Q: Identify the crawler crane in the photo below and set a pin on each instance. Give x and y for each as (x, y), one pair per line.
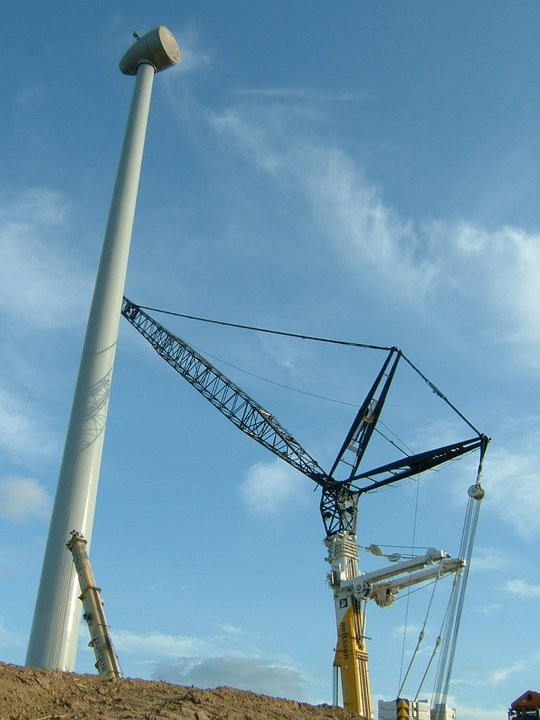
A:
(341, 489)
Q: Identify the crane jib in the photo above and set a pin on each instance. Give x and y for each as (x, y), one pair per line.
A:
(233, 402)
(340, 495)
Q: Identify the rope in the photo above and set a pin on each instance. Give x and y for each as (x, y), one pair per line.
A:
(420, 638)
(302, 336)
(278, 384)
(446, 660)
(435, 648)
(266, 330)
(309, 394)
(413, 544)
(441, 395)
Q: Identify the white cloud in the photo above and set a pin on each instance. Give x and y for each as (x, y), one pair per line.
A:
(194, 58)
(286, 353)
(244, 673)
(514, 473)
(270, 487)
(24, 433)
(523, 588)
(39, 205)
(229, 629)
(158, 644)
(442, 265)
(367, 232)
(489, 559)
(495, 677)
(496, 272)
(9, 639)
(499, 675)
(411, 630)
(301, 94)
(349, 209)
(489, 609)
(43, 288)
(215, 660)
(480, 713)
(22, 499)
(35, 265)
(251, 138)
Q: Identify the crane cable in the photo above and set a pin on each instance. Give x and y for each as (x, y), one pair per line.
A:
(389, 440)
(413, 544)
(454, 609)
(348, 343)
(302, 336)
(453, 620)
(434, 651)
(421, 636)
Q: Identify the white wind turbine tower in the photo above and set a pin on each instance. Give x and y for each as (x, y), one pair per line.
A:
(54, 634)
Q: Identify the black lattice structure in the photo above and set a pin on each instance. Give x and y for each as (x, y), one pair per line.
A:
(342, 486)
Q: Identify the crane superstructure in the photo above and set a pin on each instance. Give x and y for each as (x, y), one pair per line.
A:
(341, 489)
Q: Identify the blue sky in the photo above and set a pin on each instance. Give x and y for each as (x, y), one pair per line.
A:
(357, 170)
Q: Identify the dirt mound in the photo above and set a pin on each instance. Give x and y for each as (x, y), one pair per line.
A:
(30, 694)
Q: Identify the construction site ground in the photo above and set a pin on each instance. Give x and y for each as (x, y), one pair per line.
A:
(31, 694)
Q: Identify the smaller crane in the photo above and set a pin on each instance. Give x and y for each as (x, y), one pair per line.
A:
(100, 637)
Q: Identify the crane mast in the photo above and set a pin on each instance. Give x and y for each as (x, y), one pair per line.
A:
(341, 489)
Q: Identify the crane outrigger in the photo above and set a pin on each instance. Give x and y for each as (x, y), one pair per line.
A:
(341, 489)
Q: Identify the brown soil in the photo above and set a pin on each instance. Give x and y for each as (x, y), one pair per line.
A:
(30, 694)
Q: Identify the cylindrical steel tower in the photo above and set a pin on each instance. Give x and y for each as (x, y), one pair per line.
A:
(54, 634)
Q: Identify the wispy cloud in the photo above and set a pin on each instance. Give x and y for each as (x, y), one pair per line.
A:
(229, 629)
(43, 292)
(495, 677)
(24, 431)
(194, 56)
(495, 271)
(489, 559)
(301, 94)
(515, 469)
(156, 644)
(411, 629)
(23, 499)
(34, 263)
(227, 657)
(345, 206)
(479, 713)
(444, 265)
(244, 673)
(9, 639)
(488, 608)
(523, 588)
(227, 639)
(270, 487)
(499, 675)
(286, 353)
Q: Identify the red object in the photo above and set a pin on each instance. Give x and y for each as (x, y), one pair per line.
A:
(530, 700)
